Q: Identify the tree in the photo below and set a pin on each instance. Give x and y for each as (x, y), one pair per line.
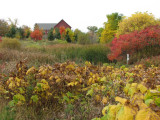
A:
(36, 27)
(12, 31)
(76, 33)
(92, 33)
(99, 32)
(137, 21)
(69, 35)
(4, 27)
(92, 29)
(20, 33)
(13, 28)
(50, 35)
(110, 27)
(56, 33)
(36, 35)
(27, 31)
(83, 38)
(62, 32)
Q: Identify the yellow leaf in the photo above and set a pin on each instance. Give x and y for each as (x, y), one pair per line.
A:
(142, 88)
(126, 113)
(58, 80)
(104, 100)
(51, 78)
(98, 98)
(31, 70)
(104, 110)
(121, 100)
(11, 85)
(147, 114)
(71, 84)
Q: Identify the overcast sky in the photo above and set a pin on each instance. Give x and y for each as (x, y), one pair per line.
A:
(77, 13)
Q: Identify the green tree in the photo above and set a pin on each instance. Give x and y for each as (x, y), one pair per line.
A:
(20, 32)
(110, 27)
(69, 35)
(36, 27)
(4, 27)
(27, 31)
(76, 33)
(92, 33)
(99, 32)
(13, 28)
(137, 21)
(50, 35)
(83, 38)
(12, 31)
(56, 33)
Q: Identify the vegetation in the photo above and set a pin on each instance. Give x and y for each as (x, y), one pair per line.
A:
(145, 40)
(36, 35)
(75, 91)
(69, 77)
(136, 22)
(10, 43)
(110, 27)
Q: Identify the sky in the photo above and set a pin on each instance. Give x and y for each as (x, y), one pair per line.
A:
(77, 13)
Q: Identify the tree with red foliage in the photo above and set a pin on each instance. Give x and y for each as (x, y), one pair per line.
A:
(135, 41)
(36, 35)
(62, 32)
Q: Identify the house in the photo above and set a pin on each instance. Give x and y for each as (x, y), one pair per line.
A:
(47, 26)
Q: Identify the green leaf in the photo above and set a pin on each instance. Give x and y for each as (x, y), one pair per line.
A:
(34, 98)
(66, 98)
(69, 94)
(12, 103)
(90, 92)
(157, 101)
(149, 101)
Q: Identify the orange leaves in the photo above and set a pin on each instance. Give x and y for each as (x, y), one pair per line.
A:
(36, 35)
(62, 32)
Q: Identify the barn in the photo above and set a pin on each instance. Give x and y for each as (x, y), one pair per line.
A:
(47, 26)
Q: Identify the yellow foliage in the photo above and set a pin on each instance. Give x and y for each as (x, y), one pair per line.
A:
(137, 21)
(147, 114)
(125, 113)
(104, 100)
(121, 100)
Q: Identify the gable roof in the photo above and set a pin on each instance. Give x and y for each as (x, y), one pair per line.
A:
(61, 22)
(46, 26)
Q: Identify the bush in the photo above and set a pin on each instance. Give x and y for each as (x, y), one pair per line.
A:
(36, 35)
(11, 43)
(137, 21)
(95, 54)
(150, 61)
(147, 40)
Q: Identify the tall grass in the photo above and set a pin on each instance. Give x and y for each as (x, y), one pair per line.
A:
(10, 43)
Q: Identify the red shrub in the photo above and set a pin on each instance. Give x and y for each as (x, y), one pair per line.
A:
(36, 35)
(135, 41)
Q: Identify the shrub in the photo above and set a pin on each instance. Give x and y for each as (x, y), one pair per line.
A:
(11, 43)
(95, 54)
(83, 38)
(36, 35)
(137, 21)
(150, 61)
(146, 40)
